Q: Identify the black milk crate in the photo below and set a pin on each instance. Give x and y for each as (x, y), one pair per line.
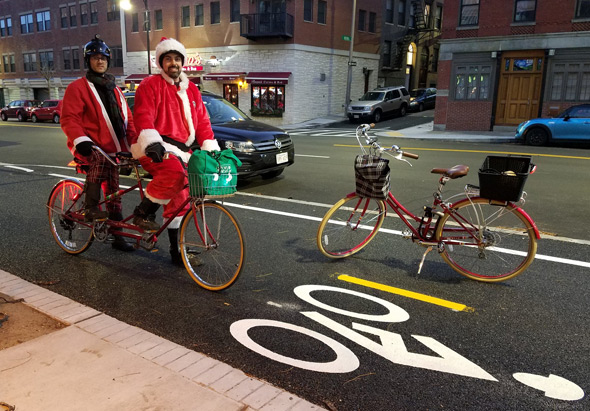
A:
(502, 178)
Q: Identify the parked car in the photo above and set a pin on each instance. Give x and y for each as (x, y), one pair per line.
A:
(19, 109)
(379, 102)
(130, 98)
(573, 124)
(422, 98)
(48, 110)
(264, 150)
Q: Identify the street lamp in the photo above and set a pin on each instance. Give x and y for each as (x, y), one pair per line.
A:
(126, 5)
(350, 62)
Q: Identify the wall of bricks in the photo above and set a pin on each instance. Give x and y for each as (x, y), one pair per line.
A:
(469, 115)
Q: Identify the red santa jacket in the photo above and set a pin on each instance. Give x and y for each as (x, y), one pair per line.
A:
(84, 118)
(177, 112)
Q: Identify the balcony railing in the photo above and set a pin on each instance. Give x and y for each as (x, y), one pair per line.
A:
(253, 26)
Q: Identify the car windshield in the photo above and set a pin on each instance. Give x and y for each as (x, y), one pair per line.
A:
(576, 112)
(417, 93)
(222, 111)
(372, 96)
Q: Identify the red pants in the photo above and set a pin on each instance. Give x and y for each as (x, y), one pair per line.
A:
(169, 185)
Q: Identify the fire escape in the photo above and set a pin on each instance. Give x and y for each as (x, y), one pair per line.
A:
(419, 33)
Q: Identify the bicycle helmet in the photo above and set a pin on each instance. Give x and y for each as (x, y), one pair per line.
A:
(96, 46)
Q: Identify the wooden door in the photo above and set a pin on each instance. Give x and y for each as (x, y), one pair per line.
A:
(519, 90)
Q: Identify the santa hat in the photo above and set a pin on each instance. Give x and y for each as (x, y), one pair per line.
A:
(169, 45)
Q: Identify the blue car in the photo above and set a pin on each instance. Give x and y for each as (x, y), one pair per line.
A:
(570, 126)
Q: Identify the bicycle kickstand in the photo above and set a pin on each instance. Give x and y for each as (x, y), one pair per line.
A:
(429, 249)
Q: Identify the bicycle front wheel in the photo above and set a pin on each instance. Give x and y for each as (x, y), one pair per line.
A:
(66, 220)
(487, 242)
(349, 226)
(212, 246)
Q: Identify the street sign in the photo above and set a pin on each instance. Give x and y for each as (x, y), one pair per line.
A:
(346, 38)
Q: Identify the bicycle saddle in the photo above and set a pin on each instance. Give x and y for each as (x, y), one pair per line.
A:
(457, 171)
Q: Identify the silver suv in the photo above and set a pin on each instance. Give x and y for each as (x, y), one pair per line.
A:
(379, 102)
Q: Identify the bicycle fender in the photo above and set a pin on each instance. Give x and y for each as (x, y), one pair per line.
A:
(530, 220)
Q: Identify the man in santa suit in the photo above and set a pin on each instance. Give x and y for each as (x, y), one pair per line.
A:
(169, 115)
(95, 113)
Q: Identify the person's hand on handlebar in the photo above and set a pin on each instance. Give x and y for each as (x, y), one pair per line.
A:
(155, 151)
(85, 148)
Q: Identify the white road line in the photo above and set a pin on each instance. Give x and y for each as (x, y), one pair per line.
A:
(308, 155)
(28, 170)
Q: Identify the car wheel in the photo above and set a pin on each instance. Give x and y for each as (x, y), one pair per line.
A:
(4, 118)
(34, 118)
(56, 119)
(272, 174)
(377, 116)
(403, 110)
(536, 137)
(20, 117)
(421, 107)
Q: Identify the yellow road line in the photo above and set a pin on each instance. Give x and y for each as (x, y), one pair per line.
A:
(406, 293)
(25, 125)
(477, 151)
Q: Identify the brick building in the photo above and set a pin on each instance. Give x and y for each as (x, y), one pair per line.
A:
(502, 62)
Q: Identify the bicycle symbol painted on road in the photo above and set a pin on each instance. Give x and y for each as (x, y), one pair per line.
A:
(391, 346)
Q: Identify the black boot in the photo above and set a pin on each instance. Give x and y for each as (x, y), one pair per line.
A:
(91, 200)
(119, 243)
(174, 250)
(145, 215)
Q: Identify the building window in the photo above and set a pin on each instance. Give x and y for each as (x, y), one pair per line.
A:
(215, 12)
(230, 93)
(63, 13)
(199, 15)
(401, 13)
(389, 11)
(268, 100)
(9, 63)
(76, 59)
(30, 61)
(438, 17)
(434, 60)
(185, 16)
(322, 9)
(411, 20)
(570, 82)
(524, 10)
(9, 27)
(472, 82)
(113, 11)
(362, 18)
(372, 22)
(73, 19)
(93, 12)
(135, 23)
(583, 9)
(46, 61)
(116, 56)
(308, 10)
(387, 53)
(159, 20)
(84, 14)
(469, 14)
(67, 59)
(234, 10)
(26, 23)
(3, 28)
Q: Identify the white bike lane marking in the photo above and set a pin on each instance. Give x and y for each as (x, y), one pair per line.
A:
(391, 346)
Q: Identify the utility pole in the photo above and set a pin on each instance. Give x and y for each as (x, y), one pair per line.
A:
(350, 62)
(147, 30)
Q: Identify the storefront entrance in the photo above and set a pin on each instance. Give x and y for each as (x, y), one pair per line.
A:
(519, 90)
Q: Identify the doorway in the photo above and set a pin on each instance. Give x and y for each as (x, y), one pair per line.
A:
(519, 88)
(230, 93)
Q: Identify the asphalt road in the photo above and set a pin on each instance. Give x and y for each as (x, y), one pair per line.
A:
(302, 322)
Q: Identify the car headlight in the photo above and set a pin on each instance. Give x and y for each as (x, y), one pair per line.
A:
(368, 108)
(241, 146)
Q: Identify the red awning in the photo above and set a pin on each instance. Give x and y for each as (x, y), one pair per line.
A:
(135, 78)
(223, 76)
(268, 77)
(196, 80)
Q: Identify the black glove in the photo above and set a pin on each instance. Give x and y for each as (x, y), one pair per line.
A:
(84, 148)
(155, 151)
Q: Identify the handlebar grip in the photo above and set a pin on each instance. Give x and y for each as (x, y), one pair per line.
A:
(410, 155)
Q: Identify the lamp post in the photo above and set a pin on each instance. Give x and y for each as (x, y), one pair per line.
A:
(126, 5)
(350, 62)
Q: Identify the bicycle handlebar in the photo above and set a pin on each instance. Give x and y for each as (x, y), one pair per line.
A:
(372, 141)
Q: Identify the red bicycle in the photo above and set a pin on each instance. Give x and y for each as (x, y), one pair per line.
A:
(482, 239)
(211, 240)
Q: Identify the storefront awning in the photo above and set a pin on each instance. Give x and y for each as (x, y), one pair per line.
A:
(135, 78)
(196, 80)
(223, 76)
(268, 77)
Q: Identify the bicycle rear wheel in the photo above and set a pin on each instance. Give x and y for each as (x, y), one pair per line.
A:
(349, 226)
(212, 246)
(64, 209)
(493, 242)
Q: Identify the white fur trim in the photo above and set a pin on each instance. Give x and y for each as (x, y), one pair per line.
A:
(146, 137)
(182, 154)
(81, 139)
(210, 145)
(105, 116)
(186, 106)
(168, 45)
(175, 223)
(154, 199)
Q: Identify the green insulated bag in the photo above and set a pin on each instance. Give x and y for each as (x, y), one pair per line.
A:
(213, 173)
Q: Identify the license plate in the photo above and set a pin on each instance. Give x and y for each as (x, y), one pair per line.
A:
(282, 158)
(356, 116)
